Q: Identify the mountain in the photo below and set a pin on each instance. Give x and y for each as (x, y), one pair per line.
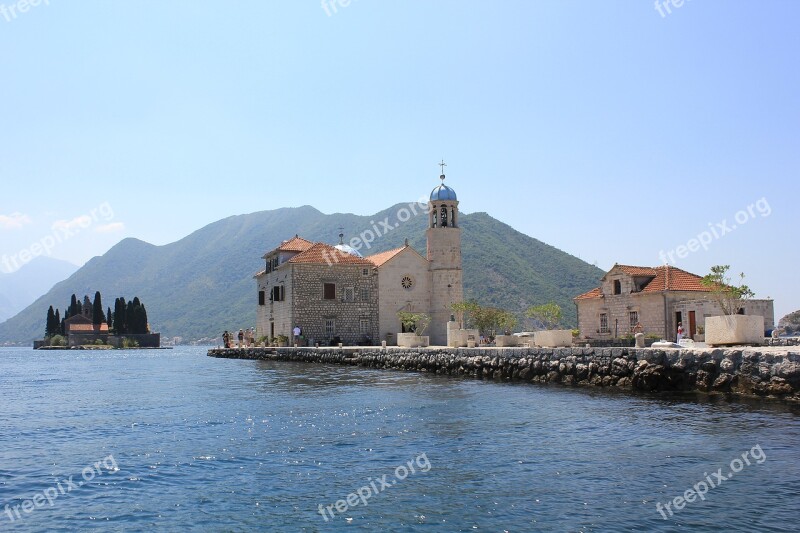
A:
(202, 284)
(790, 324)
(20, 288)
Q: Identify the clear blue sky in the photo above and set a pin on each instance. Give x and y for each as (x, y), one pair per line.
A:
(602, 128)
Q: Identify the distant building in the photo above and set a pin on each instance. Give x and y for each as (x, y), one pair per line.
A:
(335, 295)
(80, 330)
(658, 298)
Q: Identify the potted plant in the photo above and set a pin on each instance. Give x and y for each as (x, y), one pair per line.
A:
(415, 325)
(549, 317)
(460, 331)
(282, 340)
(506, 321)
(732, 327)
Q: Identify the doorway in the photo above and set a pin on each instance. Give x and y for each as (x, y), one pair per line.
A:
(678, 320)
(692, 324)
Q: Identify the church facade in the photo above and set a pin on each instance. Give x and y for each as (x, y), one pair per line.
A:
(333, 294)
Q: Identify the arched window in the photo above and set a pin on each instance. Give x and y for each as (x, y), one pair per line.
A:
(453, 217)
(444, 216)
(433, 225)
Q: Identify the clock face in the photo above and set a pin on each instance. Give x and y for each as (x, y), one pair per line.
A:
(407, 282)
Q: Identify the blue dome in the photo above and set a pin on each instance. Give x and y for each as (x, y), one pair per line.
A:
(443, 192)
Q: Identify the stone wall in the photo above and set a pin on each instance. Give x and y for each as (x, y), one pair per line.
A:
(747, 372)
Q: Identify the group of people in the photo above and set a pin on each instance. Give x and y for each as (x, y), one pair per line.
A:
(245, 337)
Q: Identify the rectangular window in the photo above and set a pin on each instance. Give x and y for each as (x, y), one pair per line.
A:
(634, 315)
(617, 287)
(330, 327)
(364, 326)
(365, 272)
(349, 294)
(278, 293)
(262, 297)
(603, 323)
(364, 295)
(328, 291)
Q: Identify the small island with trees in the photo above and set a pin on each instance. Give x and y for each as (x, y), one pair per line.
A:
(86, 326)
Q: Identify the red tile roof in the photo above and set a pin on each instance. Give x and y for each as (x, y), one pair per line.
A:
(664, 278)
(295, 244)
(380, 258)
(594, 293)
(323, 253)
(669, 278)
(637, 270)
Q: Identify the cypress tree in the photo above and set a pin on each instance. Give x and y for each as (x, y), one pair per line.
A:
(73, 306)
(119, 316)
(108, 318)
(130, 318)
(49, 327)
(143, 323)
(98, 317)
(57, 323)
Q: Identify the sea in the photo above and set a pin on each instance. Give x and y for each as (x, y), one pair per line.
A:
(174, 440)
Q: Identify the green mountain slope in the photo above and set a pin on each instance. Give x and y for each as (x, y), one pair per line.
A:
(202, 284)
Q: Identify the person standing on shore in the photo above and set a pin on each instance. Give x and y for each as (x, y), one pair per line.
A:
(226, 339)
(297, 332)
(241, 337)
(680, 332)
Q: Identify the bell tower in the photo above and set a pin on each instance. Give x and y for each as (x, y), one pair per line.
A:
(444, 256)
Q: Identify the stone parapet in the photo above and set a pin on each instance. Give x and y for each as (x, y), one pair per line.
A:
(735, 371)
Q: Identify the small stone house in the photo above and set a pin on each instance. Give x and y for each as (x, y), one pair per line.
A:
(656, 297)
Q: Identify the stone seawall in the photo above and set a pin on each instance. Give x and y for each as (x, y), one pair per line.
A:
(744, 371)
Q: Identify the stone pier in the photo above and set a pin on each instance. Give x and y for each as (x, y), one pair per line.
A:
(754, 372)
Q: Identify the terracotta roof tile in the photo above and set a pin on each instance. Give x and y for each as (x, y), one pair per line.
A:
(594, 293)
(380, 258)
(295, 244)
(637, 270)
(670, 278)
(323, 253)
(664, 278)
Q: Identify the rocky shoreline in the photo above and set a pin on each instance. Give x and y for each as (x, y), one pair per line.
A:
(752, 372)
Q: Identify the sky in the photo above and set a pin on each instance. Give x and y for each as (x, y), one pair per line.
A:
(627, 132)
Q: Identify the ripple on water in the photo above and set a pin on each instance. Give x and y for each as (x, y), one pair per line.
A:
(210, 444)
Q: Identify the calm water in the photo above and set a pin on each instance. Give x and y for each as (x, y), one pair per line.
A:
(172, 440)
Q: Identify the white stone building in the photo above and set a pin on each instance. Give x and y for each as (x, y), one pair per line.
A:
(335, 295)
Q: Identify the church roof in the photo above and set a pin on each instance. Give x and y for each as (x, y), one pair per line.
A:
(78, 319)
(380, 258)
(327, 254)
(443, 192)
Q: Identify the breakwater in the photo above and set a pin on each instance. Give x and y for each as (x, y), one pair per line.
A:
(754, 372)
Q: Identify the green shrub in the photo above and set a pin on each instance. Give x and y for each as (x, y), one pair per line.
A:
(58, 340)
(129, 343)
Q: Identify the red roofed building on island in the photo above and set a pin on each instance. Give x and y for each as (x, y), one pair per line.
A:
(334, 294)
(658, 298)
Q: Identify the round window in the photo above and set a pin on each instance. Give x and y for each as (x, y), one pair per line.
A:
(407, 282)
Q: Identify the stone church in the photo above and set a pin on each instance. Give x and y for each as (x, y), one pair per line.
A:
(335, 295)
